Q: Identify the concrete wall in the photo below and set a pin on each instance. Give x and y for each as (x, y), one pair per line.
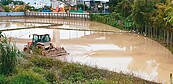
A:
(12, 13)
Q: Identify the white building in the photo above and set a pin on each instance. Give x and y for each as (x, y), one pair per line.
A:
(38, 3)
(54, 3)
(42, 3)
(60, 3)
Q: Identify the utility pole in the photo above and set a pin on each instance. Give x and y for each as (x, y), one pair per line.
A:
(84, 5)
(76, 3)
(104, 6)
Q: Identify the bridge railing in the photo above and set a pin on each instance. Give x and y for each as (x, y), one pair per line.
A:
(83, 16)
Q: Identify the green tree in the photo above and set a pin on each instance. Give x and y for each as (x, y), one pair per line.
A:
(18, 3)
(113, 3)
(167, 8)
(6, 8)
(142, 12)
(6, 2)
(124, 8)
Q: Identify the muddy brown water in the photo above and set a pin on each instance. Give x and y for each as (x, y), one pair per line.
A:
(121, 51)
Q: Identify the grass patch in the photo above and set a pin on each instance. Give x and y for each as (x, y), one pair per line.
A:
(28, 77)
(44, 70)
(56, 71)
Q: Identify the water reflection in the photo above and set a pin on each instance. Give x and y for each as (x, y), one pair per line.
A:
(112, 63)
(54, 33)
(96, 47)
(15, 25)
(124, 52)
(65, 34)
(130, 53)
(70, 23)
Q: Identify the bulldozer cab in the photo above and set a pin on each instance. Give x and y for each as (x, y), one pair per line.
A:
(40, 42)
(40, 38)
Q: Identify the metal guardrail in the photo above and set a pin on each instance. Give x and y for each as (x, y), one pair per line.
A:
(83, 16)
(3, 14)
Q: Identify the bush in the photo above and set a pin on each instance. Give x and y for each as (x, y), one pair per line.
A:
(28, 77)
(77, 72)
(42, 62)
(6, 8)
(96, 82)
(52, 77)
(106, 19)
(8, 56)
(3, 79)
(39, 70)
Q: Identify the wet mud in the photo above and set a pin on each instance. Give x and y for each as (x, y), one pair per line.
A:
(115, 51)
